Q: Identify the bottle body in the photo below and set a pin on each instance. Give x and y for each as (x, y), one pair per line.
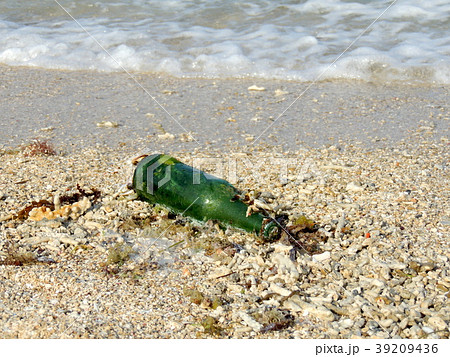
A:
(185, 190)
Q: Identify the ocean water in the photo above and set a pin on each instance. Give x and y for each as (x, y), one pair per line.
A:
(299, 40)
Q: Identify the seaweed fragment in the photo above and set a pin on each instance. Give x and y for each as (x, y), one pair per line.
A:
(211, 326)
(276, 326)
(198, 298)
(136, 221)
(65, 199)
(77, 196)
(303, 235)
(194, 295)
(216, 302)
(274, 320)
(119, 254)
(115, 263)
(213, 245)
(304, 223)
(38, 148)
(24, 213)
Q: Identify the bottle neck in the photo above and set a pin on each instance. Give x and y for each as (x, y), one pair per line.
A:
(270, 230)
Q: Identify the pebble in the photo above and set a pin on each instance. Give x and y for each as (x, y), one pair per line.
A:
(354, 187)
(403, 323)
(220, 272)
(397, 265)
(346, 323)
(280, 92)
(414, 331)
(68, 240)
(438, 323)
(280, 290)
(321, 257)
(256, 88)
(107, 124)
(166, 136)
(91, 225)
(285, 266)
(295, 304)
(386, 323)
(79, 232)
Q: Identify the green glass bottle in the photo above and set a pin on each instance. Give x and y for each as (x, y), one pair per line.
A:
(185, 190)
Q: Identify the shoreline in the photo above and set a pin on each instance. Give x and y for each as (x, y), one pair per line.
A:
(65, 108)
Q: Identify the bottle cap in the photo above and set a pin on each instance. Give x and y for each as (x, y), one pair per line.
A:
(270, 230)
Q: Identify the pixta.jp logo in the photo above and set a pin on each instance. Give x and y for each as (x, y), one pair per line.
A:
(151, 184)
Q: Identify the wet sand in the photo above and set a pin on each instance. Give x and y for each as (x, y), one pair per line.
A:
(65, 107)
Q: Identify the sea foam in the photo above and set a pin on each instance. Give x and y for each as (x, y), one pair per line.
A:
(305, 41)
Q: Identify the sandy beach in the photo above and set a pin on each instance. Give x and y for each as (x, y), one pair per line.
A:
(367, 162)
